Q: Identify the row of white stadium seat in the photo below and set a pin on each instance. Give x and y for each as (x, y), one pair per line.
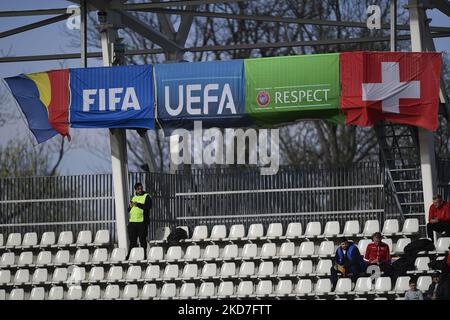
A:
(65, 238)
(226, 289)
(283, 268)
(270, 250)
(294, 229)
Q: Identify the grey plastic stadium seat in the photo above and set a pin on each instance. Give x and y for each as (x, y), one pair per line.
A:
(343, 286)
(136, 254)
(134, 273)
(200, 233)
(351, 228)
(14, 240)
(37, 293)
(152, 272)
(287, 249)
(326, 249)
(294, 230)
(21, 276)
(265, 269)
(303, 287)
(84, 238)
(332, 229)
(230, 251)
(92, 292)
(118, 255)
(171, 271)
(264, 288)
(96, 274)
(390, 226)
(44, 258)
(255, 230)
(192, 253)
(56, 293)
(245, 289)
(112, 291)
(218, 232)
(16, 294)
(211, 252)
(411, 225)
(29, 239)
(226, 289)
(115, 273)
(81, 256)
(323, 286)
(62, 257)
(206, 290)
(101, 237)
(304, 267)
(59, 275)
(48, 239)
(228, 269)
(7, 259)
(324, 267)
(274, 230)
(25, 258)
(74, 293)
(155, 254)
(370, 227)
(268, 250)
(100, 255)
(190, 271)
(5, 276)
(306, 249)
(237, 231)
(209, 270)
(168, 290)
(187, 290)
(65, 238)
(283, 287)
(247, 269)
(40, 275)
(250, 250)
(130, 292)
(173, 253)
(148, 291)
(313, 229)
(285, 267)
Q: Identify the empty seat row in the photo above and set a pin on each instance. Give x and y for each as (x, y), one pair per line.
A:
(294, 229)
(65, 238)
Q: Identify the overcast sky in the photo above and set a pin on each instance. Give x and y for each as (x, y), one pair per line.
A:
(53, 39)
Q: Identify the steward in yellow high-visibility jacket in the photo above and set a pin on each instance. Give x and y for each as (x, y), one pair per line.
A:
(139, 218)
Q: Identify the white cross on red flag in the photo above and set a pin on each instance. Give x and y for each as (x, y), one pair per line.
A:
(398, 87)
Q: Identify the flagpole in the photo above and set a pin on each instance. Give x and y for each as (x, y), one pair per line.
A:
(393, 35)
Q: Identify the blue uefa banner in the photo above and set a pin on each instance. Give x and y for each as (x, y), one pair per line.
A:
(114, 97)
(211, 92)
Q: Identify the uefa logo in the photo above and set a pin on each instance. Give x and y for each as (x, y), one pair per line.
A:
(263, 98)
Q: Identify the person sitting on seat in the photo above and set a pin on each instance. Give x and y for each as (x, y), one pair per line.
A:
(438, 217)
(348, 261)
(438, 288)
(413, 293)
(378, 253)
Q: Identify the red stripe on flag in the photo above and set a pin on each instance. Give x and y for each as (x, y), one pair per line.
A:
(58, 109)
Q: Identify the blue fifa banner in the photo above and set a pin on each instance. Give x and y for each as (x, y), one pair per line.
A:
(112, 97)
(211, 92)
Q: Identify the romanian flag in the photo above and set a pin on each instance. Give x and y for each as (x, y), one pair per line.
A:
(44, 100)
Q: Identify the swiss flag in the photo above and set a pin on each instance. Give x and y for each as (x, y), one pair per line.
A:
(399, 87)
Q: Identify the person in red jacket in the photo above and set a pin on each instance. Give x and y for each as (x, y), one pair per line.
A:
(438, 217)
(378, 253)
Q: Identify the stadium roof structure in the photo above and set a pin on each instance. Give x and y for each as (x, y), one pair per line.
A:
(117, 14)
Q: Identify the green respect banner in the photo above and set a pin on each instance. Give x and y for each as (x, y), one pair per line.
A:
(284, 89)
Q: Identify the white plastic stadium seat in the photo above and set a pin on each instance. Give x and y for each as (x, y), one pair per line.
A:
(152, 272)
(187, 290)
(112, 291)
(390, 226)
(62, 257)
(48, 239)
(96, 274)
(255, 231)
(362, 245)
(245, 289)
(303, 286)
(101, 237)
(16, 294)
(40, 275)
(218, 232)
(421, 263)
(343, 286)
(211, 252)
(402, 284)
(388, 241)
(411, 225)
(332, 229)
(74, 293)
(155, 254)
(130, 291)
(168, 290)
(304, 267)
(226, 289)
(265, 269)
(148, 291)
(250, 250)
(275, 230)
(81, 256)
(442, 244)
(313, 229)
(285, 267)
(363, 285)
(162, 233)
(115, 273)
(268, 250)
(283, 287)
(383, 284)
(287, 249)
(326, 249)
(5, 276)
(133, 273)
(118, 255)
(370, 227)
(37, 293)
(7, 259)
(264, 288)
(30, 239)
(324, 267)
(100, 255)
(236, 231)
(173, 253)
(401, 244)
(423, 283)
(190, 271)
(294, 230)
(192, 253)
(206, 290)
(247, 269)
(351, 228)
(92, 292)
(22, 276)
(228, 269)
(230, 251)
(59, 275)
(14, 240)
(84, 237)
(306, 249)
(171, 271)
(1, 240)
(209, 270)
(65, 238)
(44, 258)
(200, 233)
(56, 293)
(323, 286)
(136, 254)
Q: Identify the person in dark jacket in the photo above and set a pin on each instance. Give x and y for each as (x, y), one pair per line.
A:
(348, 261)
(438, 289)
(139, 209)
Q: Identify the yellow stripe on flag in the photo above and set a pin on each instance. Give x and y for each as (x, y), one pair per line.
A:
(43, 84)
